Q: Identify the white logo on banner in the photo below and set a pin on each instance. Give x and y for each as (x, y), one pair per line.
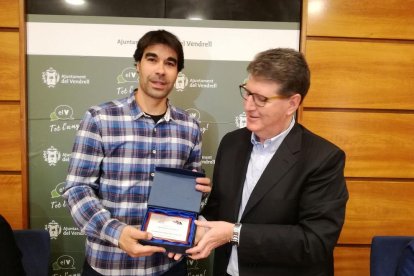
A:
(203, 83)
(64, 262)
(62, 112)
(207, 160)
(51, 156)
(54, 229)
(241, 120)
(129, 74)
(194, 113)
(50, 77)
(56, 195)
(181, 82)
(58, 190)
(125, 90)
(126, 77)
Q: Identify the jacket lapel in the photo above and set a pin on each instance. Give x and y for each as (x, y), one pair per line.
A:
(241, 163)
(281, 162)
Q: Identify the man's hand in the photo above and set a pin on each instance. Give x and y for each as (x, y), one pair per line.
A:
(128, 241)
(203, 184)
(175, 256)
(200, 232)
(217, 233)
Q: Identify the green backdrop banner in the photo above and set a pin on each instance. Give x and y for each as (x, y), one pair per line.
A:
(75, 62)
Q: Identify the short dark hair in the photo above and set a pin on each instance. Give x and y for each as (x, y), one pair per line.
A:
(285, 66)
(160, 37)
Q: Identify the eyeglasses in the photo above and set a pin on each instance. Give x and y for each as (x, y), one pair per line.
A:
(258, 99)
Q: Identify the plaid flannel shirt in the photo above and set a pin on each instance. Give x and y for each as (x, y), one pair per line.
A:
(116, 150)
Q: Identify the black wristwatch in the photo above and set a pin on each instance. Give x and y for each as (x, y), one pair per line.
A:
(235, 239)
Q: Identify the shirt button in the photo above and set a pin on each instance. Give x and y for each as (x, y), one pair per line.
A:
(154, 151)
(155, 130)
(152, 174)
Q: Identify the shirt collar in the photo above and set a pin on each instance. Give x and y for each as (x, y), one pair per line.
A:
(136, 111)
(272, 143)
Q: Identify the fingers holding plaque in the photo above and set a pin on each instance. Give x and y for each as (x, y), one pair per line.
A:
(173, 206)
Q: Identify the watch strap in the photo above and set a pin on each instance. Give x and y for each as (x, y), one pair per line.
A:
(235, 239)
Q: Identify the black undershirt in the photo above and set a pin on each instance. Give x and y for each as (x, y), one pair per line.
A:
(156, 118)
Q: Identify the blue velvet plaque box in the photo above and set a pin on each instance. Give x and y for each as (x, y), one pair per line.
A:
(174, 203)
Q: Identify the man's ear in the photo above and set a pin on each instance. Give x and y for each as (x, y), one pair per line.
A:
(137, 64)
(294, 102)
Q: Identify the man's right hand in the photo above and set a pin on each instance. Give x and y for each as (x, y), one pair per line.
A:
(128, 241)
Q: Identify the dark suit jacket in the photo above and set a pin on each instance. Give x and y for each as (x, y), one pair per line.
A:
(10, 255)
(295, 213)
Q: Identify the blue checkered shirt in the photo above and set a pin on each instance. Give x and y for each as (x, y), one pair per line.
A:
(116, 150)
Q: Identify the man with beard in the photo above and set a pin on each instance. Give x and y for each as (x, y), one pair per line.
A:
(117, 147)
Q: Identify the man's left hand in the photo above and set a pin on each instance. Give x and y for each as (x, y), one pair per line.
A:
(217, 234)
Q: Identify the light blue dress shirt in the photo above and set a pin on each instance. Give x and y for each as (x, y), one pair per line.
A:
(259, 159)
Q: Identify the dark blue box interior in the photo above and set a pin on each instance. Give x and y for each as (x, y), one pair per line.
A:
(173, 193)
